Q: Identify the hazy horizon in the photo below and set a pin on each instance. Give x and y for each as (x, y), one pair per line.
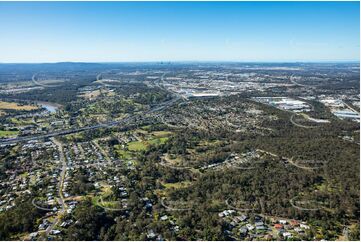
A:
(190, 61)
(47, 32)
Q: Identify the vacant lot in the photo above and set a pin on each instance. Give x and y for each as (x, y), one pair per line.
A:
(137, 146)
(7, 133)
(16, 106)
(90, 94)
(144, 145)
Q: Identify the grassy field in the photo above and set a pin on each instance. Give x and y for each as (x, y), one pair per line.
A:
(158, 141)
(146, 127)
(123, 153)
(7, 133)
(137, 146)
(143, 145)
(21, 122)
(154, 138)
(16, 106)
(171, 186)
(74, 137)
(103, 198)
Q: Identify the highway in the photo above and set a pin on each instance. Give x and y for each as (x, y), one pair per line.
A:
(91, 127)
(348, 106)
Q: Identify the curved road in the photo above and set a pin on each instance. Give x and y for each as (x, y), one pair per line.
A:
(33, 79)
(173, 209)
(298, 84)
(300, 125)
(40, 208)
(238, 209)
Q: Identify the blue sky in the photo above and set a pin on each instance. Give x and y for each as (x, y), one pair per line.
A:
(179, 31)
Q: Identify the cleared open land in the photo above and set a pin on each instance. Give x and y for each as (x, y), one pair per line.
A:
(16, 106)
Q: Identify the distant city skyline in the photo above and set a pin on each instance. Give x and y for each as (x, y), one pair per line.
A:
(39, 32)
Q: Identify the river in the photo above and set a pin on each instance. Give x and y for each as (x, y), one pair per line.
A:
(51, 107)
